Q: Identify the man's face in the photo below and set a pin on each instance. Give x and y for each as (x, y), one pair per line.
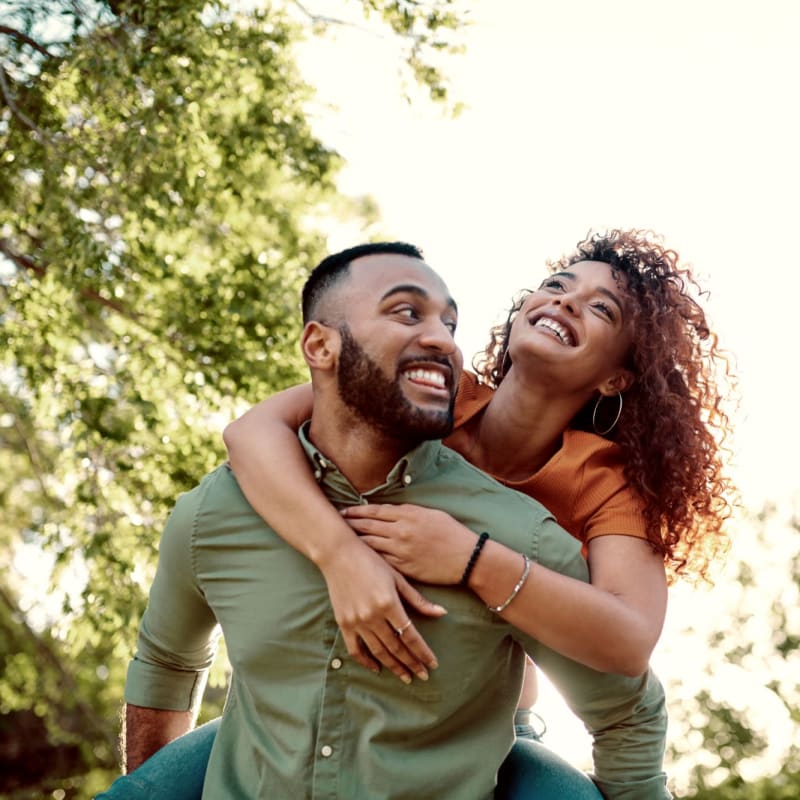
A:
(398, 364)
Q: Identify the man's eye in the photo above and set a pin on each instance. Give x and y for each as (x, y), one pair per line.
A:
(408, 312)
(451, 325)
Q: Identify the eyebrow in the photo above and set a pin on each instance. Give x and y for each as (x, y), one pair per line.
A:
(600, 289)
(411, 288)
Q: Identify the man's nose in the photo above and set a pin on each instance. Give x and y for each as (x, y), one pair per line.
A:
(438, 336)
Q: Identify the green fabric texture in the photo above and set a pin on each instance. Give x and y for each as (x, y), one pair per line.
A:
(302, 720)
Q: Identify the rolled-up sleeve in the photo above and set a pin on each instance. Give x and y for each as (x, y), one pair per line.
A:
(178, 632)
(626, 717)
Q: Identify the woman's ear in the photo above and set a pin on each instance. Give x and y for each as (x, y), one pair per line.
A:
(320, 345)
(619, 382)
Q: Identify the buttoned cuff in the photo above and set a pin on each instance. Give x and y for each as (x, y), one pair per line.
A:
(153, 686)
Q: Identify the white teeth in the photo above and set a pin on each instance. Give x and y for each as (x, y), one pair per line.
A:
(558, 329)
(427, 376)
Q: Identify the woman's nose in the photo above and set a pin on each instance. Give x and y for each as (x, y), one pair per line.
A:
(568, 302)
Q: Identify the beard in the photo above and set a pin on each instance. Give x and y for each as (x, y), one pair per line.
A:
(378, 400)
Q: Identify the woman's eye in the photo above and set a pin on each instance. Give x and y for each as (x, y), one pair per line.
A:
(553, 283)
(605, 310)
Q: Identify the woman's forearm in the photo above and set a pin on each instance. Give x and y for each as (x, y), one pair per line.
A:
(611, 625)
(367, 595)
(277, 479)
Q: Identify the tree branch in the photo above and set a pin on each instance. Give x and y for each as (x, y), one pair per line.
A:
(68, 683)
(27, 263)
(17, 111)
(326, 20)
(25, 39)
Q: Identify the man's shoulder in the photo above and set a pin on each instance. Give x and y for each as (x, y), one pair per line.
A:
(217, 488)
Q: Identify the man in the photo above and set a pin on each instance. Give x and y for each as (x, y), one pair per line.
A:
(301, 720)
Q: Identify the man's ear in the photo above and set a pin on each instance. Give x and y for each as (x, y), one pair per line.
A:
(320, 345)
(620, 381)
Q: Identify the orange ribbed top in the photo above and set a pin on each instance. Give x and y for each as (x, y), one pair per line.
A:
(583, 485)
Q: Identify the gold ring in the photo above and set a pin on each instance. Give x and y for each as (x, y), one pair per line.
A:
(403, 628)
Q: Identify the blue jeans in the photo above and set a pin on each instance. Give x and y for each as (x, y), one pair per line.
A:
(175, 772)
(530, 772)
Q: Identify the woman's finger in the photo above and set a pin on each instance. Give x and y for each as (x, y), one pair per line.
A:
(380, 544)
(373, 526)
(378, 511)
(416, 600)
(359, 652)
(386, 649)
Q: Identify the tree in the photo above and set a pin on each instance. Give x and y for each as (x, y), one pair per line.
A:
(159, 208)
(744, 720)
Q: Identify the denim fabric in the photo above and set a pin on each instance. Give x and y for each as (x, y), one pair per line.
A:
(175, 772)
(529, 725)
(531, 770)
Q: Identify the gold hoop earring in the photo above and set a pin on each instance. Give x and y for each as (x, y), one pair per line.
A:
(616, 418)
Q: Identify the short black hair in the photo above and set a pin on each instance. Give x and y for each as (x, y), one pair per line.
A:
(334, 267)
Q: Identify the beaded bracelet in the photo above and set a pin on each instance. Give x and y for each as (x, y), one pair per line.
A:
(515, 591)
(474, 557)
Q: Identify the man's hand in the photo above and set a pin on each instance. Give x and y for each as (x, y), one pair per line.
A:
(367, 596)
(149, 729)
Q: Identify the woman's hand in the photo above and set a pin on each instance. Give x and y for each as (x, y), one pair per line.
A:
(422, 543)
(368, 598)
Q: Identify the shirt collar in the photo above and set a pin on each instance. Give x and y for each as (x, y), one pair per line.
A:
(407, 471)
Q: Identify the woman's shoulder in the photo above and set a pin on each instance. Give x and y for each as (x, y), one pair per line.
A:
(584, 447)
(595, 459)
(605, 501)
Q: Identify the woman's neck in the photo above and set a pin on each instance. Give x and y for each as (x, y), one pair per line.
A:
(519, 431)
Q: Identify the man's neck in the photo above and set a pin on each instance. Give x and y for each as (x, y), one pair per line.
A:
(364, 455)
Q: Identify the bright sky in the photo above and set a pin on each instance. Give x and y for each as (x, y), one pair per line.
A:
(583, 114)
(680, 117)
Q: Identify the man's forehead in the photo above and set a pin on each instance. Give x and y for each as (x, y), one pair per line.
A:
(380, 272)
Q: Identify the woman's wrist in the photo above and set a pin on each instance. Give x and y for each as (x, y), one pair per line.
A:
(495, 573)
(338, 538)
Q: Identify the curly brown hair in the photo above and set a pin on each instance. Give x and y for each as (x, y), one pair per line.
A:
(672, 429)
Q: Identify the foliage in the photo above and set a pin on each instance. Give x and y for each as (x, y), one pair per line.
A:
(744, 719)
(784, 786)
(160, 205)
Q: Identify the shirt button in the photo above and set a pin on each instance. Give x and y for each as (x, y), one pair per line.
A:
(317, 474)
(336, 663)
(406, 479)
(326, 750)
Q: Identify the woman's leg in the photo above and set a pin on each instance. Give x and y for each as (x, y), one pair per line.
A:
(175, 772)
(531, 771)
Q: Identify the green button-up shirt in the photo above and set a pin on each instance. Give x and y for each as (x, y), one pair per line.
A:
(302, 720)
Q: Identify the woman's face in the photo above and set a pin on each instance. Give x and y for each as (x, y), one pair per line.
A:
(578, 323)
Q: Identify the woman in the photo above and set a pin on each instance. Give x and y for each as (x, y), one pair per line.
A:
(597, 396)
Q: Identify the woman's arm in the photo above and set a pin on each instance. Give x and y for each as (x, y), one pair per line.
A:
(611, 625)
(366, 593)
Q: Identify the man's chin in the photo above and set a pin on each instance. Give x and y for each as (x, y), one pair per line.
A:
(432, 425)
